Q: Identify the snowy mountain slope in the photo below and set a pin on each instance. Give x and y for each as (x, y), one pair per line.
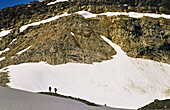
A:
(115, 82)
(121, 82)
(86, 14)
(11, 99)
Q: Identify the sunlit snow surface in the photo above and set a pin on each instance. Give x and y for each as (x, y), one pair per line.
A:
(4, 33)
(43, 21)
(7, 49)
(13, 40)
(22, 51)
(11, 99)
(87, 14)
(51, 3)
(119, 82)
(2, 58)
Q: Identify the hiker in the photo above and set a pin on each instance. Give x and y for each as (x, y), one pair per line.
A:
(50, 89)
(55, 90)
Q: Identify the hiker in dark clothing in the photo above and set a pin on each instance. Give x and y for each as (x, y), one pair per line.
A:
(50, 89)
(55, 90)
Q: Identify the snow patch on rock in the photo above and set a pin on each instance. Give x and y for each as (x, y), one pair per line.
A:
(43, 21)
(2, 58)
(7, 49)
(87, 14)
(13, 40)
(4, 33)
(72, 34)
(22, 51)
(51, 3)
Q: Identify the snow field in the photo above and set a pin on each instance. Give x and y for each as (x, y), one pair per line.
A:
(120, 82)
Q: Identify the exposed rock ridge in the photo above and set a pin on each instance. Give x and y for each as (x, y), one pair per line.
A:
(36, 11)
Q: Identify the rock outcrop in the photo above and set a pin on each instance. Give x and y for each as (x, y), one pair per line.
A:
(35, 11)
(146, 37)
(68, 39)
(157, 104)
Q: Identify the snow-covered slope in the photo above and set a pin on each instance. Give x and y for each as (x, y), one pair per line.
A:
(120, 82)
(11, 99)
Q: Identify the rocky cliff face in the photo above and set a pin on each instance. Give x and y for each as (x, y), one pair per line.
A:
(36, 11)
(76, 39)
(157, 104)
(140, 38)
(68, 39)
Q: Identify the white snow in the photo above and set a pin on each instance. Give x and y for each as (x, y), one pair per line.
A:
(51, 3)
(120, 82)
(125, 5)
(13, 40)
(42, 0)
(23, 50)
(2, 58)
(4, 33)
(11, 99)
(72, 34)
(7, 49)
(43, 21)
(87, 14)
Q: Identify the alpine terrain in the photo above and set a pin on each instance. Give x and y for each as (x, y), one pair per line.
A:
(111, 52)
